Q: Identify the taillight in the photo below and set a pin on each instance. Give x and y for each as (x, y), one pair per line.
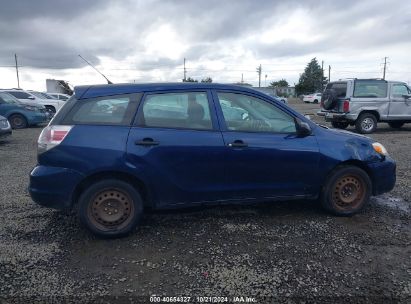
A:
(346, 106)
(51, 136)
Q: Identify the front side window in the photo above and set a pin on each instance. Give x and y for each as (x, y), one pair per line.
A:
(398, 90)
(250, 114)
(7, 98)
(188, 110)
(370, 89)
(111, 110)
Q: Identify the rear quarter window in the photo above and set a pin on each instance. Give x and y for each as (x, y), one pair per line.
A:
(108, 110)
(370, 89)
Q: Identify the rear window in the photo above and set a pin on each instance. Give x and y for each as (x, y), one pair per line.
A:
(339, 87)
(370, 89)
(20, 95)
(109, 110)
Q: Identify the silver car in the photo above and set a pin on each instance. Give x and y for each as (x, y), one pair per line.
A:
(365, 102)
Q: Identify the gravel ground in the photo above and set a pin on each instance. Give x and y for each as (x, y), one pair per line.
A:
(283, 252)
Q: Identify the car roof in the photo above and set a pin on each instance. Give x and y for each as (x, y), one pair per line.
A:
(91, 91)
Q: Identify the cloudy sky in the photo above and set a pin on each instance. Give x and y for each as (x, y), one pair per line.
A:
(147, 40)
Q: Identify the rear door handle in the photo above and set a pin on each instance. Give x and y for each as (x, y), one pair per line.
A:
(238, 144)
(147, 142)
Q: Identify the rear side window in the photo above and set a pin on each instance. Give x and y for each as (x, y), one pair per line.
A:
(370, 89)
(110, 110)
(188, 110)
(339, 87)
(20, 95)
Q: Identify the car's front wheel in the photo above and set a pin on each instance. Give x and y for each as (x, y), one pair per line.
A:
(396, 124)
(110, 208)
(346, 191)
(18, 121)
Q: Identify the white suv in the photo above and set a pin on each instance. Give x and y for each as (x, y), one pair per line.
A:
(51, 105)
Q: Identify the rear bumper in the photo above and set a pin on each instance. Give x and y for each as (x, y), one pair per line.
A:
(383, 176)
(53, 187)
(337, 116)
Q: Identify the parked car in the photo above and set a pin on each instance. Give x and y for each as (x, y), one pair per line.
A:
(41, 95)
(282, 99)
(5, 128)
(312, 98)
(51, 105)
(21, 115)
(60, 96)
(365, 102)
(116, 150)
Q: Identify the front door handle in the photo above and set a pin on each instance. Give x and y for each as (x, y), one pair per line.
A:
(147, 142)
(238, 144)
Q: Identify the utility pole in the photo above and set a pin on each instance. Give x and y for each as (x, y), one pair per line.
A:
(265, 83)
(329, 73)
(322, 74)
(185, 71)
(242, 78)
(17, 71)
(259, 70)
(385, 67)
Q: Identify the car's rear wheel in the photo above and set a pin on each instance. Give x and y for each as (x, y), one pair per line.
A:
(339, 124)
(396, 124)
(347, 190)
(316, 101)
(110, 208)
(18, 121)
(366, 123)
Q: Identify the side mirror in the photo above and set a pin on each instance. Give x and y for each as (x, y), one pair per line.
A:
(303, 128)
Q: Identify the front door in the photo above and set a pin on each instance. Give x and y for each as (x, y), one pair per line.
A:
(264, 156)
(400, 107)
(175, 143)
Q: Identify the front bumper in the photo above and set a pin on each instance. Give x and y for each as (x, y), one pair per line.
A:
(383, 175)
(5, 129)
(53, 187)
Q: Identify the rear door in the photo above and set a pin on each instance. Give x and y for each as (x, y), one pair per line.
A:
(176, 144)
(400, 107)
(264, 156)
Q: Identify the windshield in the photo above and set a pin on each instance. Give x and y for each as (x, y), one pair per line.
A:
(9, 98)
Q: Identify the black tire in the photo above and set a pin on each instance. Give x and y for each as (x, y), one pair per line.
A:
(110, 208)
(346, 191)
(339, 124)
(366, 123)
(396, 124)
(316, 101)
(329, 99)
(18, 121)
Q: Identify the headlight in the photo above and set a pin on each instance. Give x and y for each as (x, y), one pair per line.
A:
(30, 108)
(380, 149)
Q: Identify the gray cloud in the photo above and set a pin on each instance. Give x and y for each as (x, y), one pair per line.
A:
(50, 34)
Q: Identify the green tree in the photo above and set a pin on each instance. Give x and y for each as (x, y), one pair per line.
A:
(207, 79)
(312, 80)
(189, 79)
(280, 83)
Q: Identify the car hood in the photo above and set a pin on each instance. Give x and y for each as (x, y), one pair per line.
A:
(347, 134)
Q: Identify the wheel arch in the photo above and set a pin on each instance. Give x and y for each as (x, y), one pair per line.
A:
(371, 111)
(126, 177)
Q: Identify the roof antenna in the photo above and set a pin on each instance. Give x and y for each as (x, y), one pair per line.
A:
(108, 81)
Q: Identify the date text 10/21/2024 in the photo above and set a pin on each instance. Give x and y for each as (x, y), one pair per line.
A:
(201, 299)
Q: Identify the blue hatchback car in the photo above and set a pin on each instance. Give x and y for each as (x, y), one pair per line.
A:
(113, 151)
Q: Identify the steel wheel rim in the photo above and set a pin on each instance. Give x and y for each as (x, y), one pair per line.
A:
(111, 209)
(367, 124)
(17, 121)
(348, 192)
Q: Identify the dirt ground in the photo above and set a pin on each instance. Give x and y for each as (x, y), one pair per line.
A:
(290, 252)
